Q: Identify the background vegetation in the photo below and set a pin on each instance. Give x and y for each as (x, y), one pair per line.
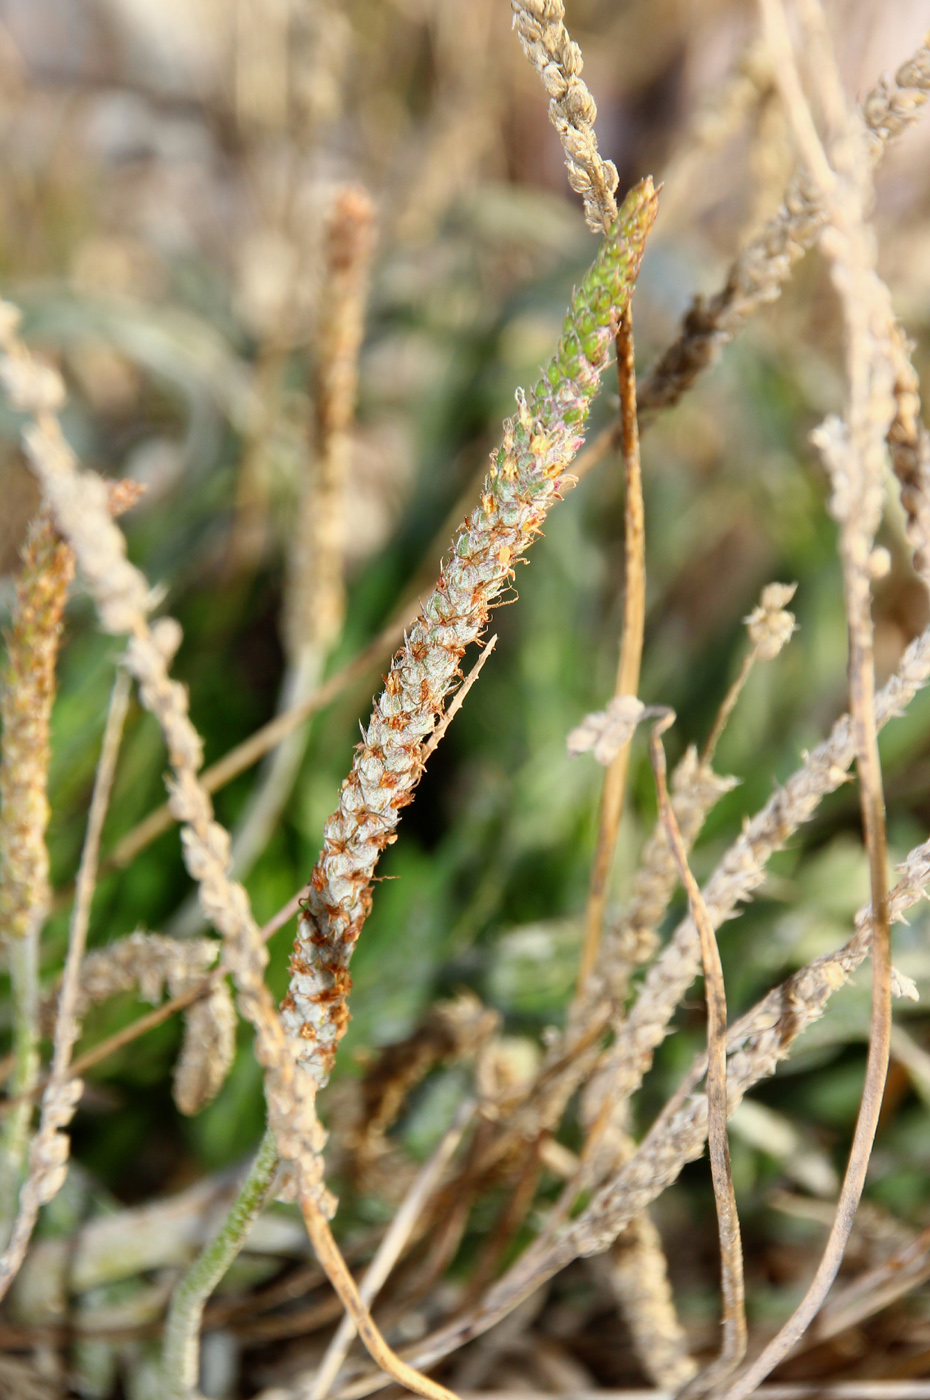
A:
(168, 169)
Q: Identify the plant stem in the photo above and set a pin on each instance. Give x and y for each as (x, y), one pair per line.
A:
(631, 651)
(181, 1354)
(24, 995)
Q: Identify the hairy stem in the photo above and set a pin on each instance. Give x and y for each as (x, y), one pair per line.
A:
(181, 1351)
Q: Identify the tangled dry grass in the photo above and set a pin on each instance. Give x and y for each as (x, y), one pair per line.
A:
(557, 1145)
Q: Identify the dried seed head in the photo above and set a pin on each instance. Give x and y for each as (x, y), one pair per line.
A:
(208, 1051)
(606, 732)
(770, 625)
(32, 387)
(903, 986)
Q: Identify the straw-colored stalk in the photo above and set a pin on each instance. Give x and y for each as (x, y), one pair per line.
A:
(855, 454)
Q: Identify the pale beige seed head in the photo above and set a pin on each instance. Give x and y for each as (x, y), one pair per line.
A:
(770, 625)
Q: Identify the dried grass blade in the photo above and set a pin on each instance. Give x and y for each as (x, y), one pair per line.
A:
(733, 1348)
(854, 455)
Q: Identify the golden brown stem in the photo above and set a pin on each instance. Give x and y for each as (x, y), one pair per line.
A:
(337, 1271)
(631, 651)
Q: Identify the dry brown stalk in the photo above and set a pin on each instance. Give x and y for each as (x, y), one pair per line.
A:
(631, 938)
(404, 1224)
(854, 452)
(49, 1149)
(631, 649)
(765, 264)
(329, 1256)
(733, 1347)
(546, 43)
(527, 477)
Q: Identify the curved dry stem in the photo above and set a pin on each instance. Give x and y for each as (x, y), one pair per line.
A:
(391, 1248)
(337, 1271)
(733, 1348)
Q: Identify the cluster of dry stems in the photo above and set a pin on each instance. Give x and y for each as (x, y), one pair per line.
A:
(609, 1037)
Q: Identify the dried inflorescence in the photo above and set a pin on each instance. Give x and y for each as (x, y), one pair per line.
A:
(770, 625)
(528, 474)
(638, 1278)
(152, 963)
(315, 599)
(765, 264)
(25, 713)
(557, 59)
(606, 732)
(741, 871)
